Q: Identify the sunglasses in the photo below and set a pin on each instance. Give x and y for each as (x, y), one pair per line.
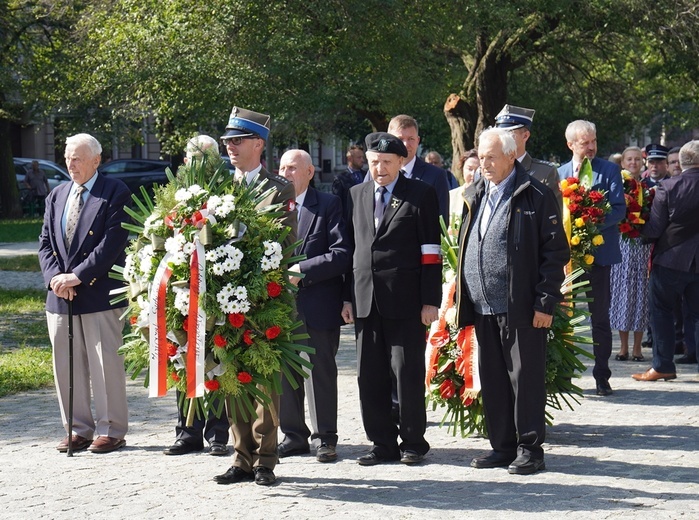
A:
(235, 141)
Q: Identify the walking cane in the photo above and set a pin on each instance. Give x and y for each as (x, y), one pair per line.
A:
(70, 378)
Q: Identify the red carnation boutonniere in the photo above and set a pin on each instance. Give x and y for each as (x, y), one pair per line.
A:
(291, 206)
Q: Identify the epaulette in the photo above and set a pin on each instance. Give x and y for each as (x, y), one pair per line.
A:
(547, 163)
(281, 179)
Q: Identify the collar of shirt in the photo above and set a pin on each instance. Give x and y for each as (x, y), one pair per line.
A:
(249, 176)
(500, 188)
(521, 158)
(389, 187)
(88, 187)
(408, 168)
(300, 199)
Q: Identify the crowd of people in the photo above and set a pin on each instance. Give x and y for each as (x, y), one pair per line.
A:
(373, 259)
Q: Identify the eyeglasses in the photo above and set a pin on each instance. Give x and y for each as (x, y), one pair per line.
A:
(235, 141)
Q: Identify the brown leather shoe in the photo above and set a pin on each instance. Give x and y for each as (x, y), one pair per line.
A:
(79, 444)
(104, 444)
(652, 375)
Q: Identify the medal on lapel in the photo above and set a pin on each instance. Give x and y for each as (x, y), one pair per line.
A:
(395, 203)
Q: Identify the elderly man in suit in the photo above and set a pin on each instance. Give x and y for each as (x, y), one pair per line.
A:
(406, 129)
(518, 121)
(321, 227)
(214, 429)
(80, 241)
(255, 439)
(675, 273)
(396, 290)
(581, 137)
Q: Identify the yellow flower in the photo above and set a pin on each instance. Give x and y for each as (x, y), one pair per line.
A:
(573, 186)
(564, 184)
(597, 240)
(626, 174)
(589, 259)
(640, 221)
(574, 240)
(579, 222)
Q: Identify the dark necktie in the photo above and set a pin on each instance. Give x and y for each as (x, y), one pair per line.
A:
(379, 205)
(76, 207)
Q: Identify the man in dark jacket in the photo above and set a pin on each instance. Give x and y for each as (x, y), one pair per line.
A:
(512, 253)
(672, 225)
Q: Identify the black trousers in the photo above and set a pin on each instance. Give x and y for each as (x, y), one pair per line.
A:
(600, 292)
(321, 389)
(512, 365)
(385, 347)
(212, 429)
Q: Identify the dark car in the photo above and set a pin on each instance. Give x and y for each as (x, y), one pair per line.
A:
(137, 172)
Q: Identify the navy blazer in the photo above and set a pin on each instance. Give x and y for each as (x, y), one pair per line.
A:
(437, 178)
(387, 261)
(606, 178)
(321, 228)
(98, 244)
(673, 222)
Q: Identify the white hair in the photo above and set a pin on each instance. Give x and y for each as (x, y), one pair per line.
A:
(578, 128)
(87, 140)
(199, 144)
(509, 146)
(689, 155)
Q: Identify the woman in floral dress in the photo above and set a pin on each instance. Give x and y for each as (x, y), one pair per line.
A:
(629, 279)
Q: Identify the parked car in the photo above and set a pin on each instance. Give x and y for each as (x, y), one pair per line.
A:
(54, 173)
(137, 172)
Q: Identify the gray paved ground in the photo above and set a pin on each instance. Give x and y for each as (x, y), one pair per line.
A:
(632, 455)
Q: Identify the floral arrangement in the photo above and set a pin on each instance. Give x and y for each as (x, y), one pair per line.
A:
(452, 366)
(211, 308)
(639, 198)
(584, 212)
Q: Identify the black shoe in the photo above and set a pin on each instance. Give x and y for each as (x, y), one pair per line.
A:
(647, 344)
(182, 448)
(372, 459)
(218, 449)
(284, 450)
(686, 360)
(233, 476)
(264, 476)
(411, 457)
(604, 389)
(493, 460)
(326, 453)
(525, 465)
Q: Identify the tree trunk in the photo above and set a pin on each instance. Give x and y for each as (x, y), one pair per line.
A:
(9, 194)
(462, 122)
(491, 84)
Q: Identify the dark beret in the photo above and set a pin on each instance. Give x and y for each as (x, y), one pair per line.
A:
(383, 142)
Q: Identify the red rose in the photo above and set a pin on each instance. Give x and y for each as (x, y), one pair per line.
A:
(596, 197)
(634, 206)
(174, 376)
(573, 180)
(171, 349)
(273, 332)
(219, 341)
(236, 320)
(274, 289)
(625, 227)
(185, 323)
(212, 385)
(573, 208)
(244, 377)
(447, 389)
(247, 337)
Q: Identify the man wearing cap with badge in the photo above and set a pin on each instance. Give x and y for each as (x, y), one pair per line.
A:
(255, 440)
(656, 164)
(396, 288)
(518, 121)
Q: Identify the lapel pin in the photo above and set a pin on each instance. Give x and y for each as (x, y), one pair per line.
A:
(395, 203)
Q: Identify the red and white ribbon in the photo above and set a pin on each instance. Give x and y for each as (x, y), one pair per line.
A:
(158, 330)
(196, 330)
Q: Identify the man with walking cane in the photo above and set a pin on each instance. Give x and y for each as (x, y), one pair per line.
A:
(81, 239)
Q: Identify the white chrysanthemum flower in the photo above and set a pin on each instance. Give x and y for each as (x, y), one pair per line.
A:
(182, 302)
(188, 248)
(179, 258)
(182, 195)
(146, 265)
(212, 255)
(230, 265)
(213, 202)
(195, 190)
(227, 290)
(240, 292)
(217, 269)
(175, 244)
(129, 268)
(450, 316)
(272, 248)
(152, 222)
(244, 306)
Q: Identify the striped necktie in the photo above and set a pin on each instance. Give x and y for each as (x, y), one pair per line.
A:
(76, 206)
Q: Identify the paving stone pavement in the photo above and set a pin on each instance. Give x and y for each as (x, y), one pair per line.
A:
(632, 455)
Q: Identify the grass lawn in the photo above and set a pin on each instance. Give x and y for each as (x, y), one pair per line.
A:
(20, 230)
(25, 350)
(20, 263)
